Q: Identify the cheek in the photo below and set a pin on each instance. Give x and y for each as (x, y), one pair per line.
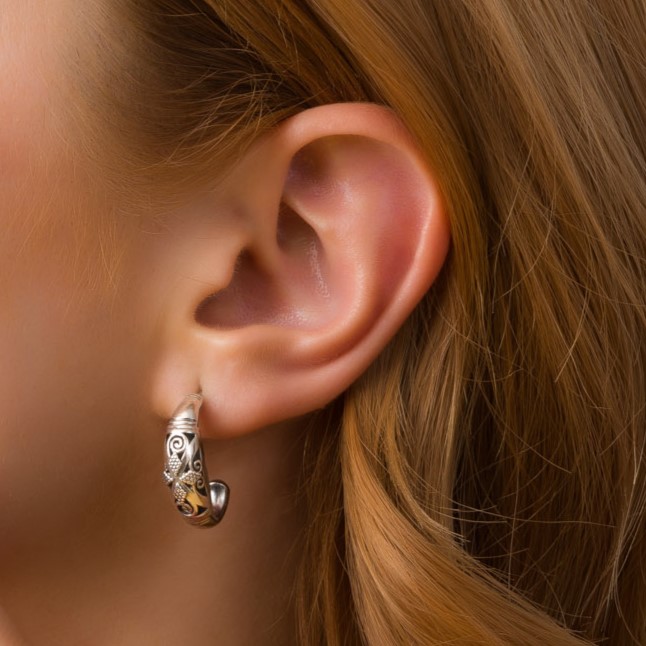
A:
(63, 365)
(73, 362)
(72, 356)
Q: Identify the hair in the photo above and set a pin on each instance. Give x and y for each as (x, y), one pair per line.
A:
(484, 481)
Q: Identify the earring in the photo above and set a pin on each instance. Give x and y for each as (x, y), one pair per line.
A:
(202, 503)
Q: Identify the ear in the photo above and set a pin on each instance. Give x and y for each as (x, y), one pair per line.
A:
(320, 243)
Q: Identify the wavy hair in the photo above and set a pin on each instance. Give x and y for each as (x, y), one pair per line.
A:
(484, 481)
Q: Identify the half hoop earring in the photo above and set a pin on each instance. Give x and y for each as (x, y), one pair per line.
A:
(201, 503)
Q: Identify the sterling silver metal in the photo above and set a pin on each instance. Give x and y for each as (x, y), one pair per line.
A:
(201, 503)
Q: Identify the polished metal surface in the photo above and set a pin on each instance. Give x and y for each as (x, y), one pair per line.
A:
(201, 503)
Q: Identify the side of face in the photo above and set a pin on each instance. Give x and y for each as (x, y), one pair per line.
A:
(271, 290)
(73, 339)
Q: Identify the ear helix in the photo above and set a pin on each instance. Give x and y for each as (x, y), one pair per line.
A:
(200, 502)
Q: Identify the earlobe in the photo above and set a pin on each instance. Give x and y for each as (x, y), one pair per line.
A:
(344, 232)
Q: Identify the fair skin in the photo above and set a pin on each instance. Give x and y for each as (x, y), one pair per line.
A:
(97, 354)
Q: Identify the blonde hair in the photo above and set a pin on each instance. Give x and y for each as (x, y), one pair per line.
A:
(484, 481)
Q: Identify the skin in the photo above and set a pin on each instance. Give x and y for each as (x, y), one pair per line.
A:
(100, 340)
(91, 550)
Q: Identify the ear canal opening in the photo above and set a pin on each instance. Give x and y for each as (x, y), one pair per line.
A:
(242, 301)
(293, 233)
(284, 291)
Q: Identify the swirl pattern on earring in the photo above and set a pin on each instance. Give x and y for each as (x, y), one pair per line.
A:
(201, 503)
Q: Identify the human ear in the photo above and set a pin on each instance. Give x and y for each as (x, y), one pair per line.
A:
(335, 231)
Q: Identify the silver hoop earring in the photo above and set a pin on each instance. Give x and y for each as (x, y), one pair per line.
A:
(201, 503)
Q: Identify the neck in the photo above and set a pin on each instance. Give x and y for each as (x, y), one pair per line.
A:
(135, 572)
